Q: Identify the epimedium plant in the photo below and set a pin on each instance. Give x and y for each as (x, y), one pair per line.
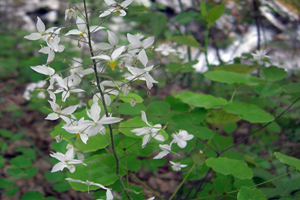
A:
(101, 144)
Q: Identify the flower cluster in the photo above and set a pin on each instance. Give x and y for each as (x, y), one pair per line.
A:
(150, 132)
(62, 85)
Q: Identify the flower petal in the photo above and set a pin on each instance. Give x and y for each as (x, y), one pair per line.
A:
(148, 42)
(146, 139)
(58, 167)
(112, 38)
(33, 36)
(117, 53)
(40, 26)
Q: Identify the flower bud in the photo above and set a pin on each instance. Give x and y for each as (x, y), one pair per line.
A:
(69, 146)
(70, 13)
(133, 102)
(58, 138)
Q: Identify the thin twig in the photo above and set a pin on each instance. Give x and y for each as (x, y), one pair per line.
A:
(103, 103)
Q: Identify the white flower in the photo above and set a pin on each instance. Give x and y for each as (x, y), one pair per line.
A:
(135, 43)
(66, 86)
(141, 74)
(96, 126)
(165, 49)
(66, 161)
(40, 26)
(109, 195)
(79, 128)
(119, 9)
(180, 52)
(112, 39)
(58, 111)
(53, 40)
(50, 52)
(181, 138)
(177, 166)
(42, 33)
(259, 55)
(70, 13)
(106, 92)
(151, 131)
(165, 151)
(112, 60)
(82, 29)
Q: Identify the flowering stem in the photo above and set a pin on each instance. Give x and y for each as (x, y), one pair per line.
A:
(103, 102)
(149, 188)
(232, 96)
(182, 181)
(206, 43)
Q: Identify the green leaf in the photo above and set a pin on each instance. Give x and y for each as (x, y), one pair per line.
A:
(6, 133)
(221, 117)
(291, 88)
(229, 128)
(28, 152)
(17, 136)
(3, 147)
(220, 181)
(2, 161)
(130, 96)
(21, 162)
(222, 142)
(32, 195)
(268, 89)
(226, 166)
(62, 186)
(188, 40)
(127, 109)
(232, 77)
(248, 112)
(215, 13)
(190, 63)
(237, 68)
(288, 160)
(30, 172)
(238, 183)
(186, 17)
(199, 158)
(5, 183)
(203, 9)
(11, 192)
(203, 133)
(49, 198)
(136, 193)
(153, 164)
(250, 194)
(101, 170)
(15, 172)
(201, 100)
(94, 143)
(54, 176)
(158, 22)
(174, 67)
(176, 104)
(158, 108)
(273, 73)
